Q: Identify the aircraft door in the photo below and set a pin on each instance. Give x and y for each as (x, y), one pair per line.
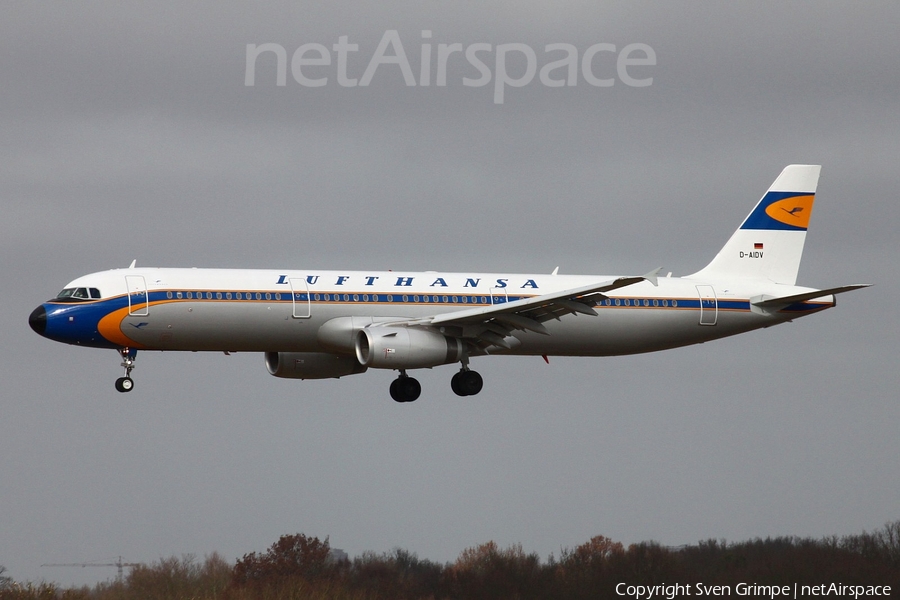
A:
(300, 300)
(709, 305)
(499, 295)
(138, 301)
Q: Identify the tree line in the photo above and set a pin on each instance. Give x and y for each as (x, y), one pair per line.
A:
(300, 566)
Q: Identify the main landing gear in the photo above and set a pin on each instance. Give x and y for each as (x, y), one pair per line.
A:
(463, 383)
(126, 384)
(405, 388)
(466, 382)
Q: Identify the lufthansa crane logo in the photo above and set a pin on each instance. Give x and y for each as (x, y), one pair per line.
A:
(793, 211)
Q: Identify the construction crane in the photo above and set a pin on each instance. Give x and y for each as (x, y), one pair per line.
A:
(119, 563)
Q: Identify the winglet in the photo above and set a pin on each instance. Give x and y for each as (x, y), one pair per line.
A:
(651, 276)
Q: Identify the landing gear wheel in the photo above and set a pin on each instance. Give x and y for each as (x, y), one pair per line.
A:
(411, 389)
(405, 389)
(454, 384)
(466, 383)
(124, 384)
(395, 391)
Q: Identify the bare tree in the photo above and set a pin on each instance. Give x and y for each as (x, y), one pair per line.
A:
(5, 581)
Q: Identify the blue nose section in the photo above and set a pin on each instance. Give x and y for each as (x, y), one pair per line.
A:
(38, 320)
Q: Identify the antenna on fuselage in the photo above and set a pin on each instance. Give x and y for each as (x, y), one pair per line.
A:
(134, 262)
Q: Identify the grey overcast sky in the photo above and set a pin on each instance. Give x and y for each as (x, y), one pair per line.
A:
(128, 132)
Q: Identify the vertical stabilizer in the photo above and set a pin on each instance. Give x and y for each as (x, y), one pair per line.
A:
(769, 243)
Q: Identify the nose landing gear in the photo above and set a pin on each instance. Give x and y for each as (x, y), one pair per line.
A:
(126, 384)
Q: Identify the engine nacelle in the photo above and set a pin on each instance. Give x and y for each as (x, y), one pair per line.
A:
(405, 348)
(312, 365)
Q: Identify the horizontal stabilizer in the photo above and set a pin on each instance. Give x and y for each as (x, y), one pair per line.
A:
(766, 302)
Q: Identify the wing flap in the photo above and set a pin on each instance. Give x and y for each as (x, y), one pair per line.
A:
(490, 326)
(566, 300)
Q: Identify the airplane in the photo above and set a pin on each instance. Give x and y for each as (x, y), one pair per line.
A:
(313, 324)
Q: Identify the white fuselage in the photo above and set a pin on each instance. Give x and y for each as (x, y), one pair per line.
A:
(323, 324)
(283, 311)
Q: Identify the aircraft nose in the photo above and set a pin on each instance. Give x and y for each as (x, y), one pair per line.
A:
(38, 320)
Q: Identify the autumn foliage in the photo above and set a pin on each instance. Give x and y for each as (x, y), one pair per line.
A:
(291, 557)
(303, 567)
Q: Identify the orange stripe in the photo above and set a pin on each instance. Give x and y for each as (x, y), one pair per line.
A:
(110, 327)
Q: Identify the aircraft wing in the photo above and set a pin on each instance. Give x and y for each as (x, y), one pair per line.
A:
(490, 325)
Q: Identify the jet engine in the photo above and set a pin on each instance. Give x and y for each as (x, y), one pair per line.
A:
(312, 365)
(405, 348)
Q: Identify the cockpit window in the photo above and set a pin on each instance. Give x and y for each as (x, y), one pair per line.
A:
(75, 294)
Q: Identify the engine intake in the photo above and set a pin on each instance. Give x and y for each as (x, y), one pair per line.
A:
(312, 365)
(405, 348)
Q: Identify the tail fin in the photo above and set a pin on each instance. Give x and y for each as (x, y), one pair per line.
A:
(769, 243)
